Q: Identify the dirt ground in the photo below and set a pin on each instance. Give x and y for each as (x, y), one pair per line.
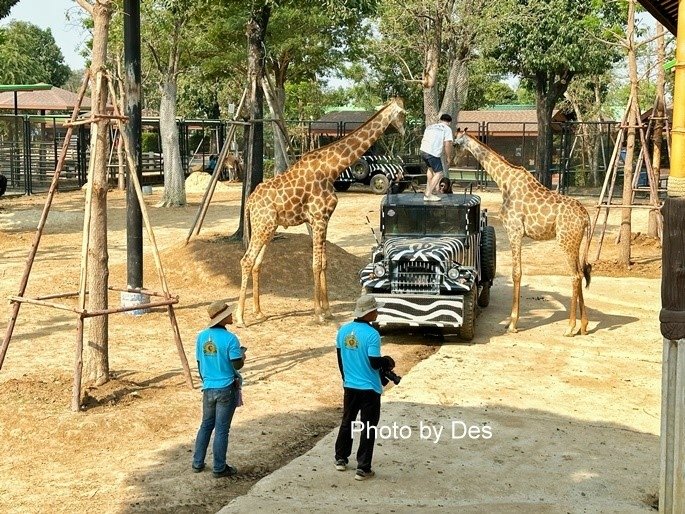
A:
(130, 449)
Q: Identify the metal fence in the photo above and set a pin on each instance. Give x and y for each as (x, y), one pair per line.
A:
(30, 147)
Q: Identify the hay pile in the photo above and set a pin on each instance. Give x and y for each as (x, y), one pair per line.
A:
(198, 181)
(206, 264)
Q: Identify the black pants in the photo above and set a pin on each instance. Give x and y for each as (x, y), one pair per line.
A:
(368, 403)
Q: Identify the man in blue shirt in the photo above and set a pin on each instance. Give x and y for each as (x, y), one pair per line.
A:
(358, 346)
(219, 357)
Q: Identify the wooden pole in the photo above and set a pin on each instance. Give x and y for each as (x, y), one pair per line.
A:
(43, 218)
(672, 315)
(78, 368)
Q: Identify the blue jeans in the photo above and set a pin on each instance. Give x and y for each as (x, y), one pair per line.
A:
(218, 406)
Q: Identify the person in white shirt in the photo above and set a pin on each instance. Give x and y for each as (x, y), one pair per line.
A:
(437, 139)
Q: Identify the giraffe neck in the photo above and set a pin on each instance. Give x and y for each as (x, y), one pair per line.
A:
(499, 169)
(349, 149)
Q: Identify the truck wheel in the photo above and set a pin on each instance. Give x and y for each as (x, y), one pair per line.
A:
(341, 186)
(484, 296)
(379, 184)
(360, 169)
(488, 255)
(468, 327)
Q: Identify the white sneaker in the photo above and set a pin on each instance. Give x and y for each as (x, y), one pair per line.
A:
(431, 198)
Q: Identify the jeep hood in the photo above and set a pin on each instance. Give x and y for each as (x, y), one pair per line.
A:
(424, 249)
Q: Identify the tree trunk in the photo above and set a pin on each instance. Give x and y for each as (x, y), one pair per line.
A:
(254, 165)
(456, 93)
(543, 151)
(275, 97)
(174, 180)
(431, 64)
(658, 134)
(633, 120)
(95, 353)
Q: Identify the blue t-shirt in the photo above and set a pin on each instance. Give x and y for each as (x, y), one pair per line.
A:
(357, 342)
(215, 348)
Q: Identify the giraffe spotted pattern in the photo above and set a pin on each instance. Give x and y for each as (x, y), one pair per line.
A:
(531, 210)
(305, 194)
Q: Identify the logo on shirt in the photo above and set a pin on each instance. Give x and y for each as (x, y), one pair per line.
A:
(351, 342)
(209, 348)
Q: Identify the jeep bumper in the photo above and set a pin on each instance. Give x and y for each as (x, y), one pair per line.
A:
(420, 310)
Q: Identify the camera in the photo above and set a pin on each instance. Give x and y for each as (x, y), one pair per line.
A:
(390, 376)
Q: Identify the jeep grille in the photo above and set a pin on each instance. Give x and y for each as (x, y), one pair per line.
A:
(412, 277)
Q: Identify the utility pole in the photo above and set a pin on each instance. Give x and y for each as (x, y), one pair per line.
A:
(134, 218)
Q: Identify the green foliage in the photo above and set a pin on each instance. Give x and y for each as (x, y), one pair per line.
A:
(6, 6)
(554, 37)
(485, 86)
(150, 142)
(29, 54)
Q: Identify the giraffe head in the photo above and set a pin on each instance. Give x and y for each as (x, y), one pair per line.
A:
(460, 140)
(397, 114)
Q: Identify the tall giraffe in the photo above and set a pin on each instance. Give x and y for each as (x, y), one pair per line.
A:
(305, 194)
(531, 210)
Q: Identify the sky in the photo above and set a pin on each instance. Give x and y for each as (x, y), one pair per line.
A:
(52, 14)
(68, 33)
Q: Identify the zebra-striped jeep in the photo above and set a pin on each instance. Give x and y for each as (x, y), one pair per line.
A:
(434, 264)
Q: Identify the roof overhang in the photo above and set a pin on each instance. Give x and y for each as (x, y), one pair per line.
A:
(665, 12)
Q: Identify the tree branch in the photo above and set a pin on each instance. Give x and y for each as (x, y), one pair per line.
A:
(86, 5)
(155, 57)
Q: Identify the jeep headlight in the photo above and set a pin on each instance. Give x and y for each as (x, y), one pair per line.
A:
(379, 270)
(453, 273)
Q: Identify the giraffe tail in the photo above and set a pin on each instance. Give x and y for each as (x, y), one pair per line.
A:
(587, 267)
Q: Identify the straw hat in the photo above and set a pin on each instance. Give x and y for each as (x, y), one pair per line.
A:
(365, 304)
(218, 311)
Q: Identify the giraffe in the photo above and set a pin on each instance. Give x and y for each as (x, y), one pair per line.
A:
(531, 210)
(305, 194)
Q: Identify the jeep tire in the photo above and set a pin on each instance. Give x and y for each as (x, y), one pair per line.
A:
(484, 296)
(379, 183)
(467, 330)
(341, 186)
(488, 256)
(360, 169)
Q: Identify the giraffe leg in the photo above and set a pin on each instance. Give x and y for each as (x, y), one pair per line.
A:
(247, 264)
(325, 306)
(515, 242)
(583, 311)
(255, 282)
(576, 285)
(318, 250)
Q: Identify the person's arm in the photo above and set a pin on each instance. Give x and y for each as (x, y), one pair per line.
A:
(340, 364)
(198, 371)
(236, 354)
(385, 362)
(449, 146)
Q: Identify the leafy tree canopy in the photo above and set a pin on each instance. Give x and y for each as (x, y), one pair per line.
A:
(6, 6)
(29, 54)
(552, 37)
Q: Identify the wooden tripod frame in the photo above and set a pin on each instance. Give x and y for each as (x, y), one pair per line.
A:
(605, 196)
(166, 300)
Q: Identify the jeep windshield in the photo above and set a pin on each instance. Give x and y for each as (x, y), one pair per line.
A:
(409, 220)
(407, 214)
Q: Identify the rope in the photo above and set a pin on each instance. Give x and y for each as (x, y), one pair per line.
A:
(676, 186)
